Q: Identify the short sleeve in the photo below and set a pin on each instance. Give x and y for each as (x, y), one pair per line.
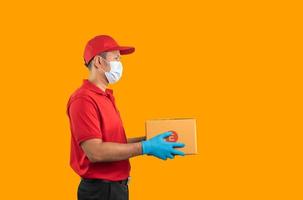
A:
(84, 120)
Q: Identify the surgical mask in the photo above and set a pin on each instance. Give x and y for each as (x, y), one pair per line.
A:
(115, 72)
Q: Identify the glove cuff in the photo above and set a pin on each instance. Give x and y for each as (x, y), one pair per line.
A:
(144, 147)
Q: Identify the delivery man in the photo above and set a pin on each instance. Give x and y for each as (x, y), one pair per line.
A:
(100, 150)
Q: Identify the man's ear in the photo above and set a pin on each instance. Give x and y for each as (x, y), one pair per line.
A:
(100, 62)
(96, 60)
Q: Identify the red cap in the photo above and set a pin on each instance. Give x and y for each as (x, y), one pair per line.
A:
(103, 43)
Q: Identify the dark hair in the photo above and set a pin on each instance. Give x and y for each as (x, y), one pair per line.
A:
(90, 63)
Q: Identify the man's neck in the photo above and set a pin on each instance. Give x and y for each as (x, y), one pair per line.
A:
(102, 84)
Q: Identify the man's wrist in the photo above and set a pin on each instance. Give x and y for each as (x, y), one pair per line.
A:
(138, 149)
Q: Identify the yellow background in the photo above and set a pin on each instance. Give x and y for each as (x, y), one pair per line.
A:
(235, 66)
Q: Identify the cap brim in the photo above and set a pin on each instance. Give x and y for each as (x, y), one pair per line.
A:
(125, 50)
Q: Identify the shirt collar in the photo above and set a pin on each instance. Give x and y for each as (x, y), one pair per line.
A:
(91, 86)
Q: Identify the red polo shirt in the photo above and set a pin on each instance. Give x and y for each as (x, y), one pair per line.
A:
(93, 114)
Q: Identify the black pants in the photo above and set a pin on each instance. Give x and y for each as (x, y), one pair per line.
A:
(94, 189)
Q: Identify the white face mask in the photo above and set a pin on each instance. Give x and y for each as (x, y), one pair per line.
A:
(115, 72)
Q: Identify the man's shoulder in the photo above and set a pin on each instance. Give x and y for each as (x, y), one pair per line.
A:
(81, 93)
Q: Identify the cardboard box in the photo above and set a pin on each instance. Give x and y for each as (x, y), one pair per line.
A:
(185, 129)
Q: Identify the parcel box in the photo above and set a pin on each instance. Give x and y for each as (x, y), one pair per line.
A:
(184, 130)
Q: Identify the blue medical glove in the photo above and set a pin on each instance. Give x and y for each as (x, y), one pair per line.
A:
(160, 148)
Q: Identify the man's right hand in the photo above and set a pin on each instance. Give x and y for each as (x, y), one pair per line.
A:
(160, 148)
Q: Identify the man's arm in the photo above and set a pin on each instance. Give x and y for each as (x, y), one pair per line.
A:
(98, 151)
(136, 139)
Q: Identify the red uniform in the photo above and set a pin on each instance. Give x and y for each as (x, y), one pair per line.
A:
(93, 114)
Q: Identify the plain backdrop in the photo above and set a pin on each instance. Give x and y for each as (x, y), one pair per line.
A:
(235, 66)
